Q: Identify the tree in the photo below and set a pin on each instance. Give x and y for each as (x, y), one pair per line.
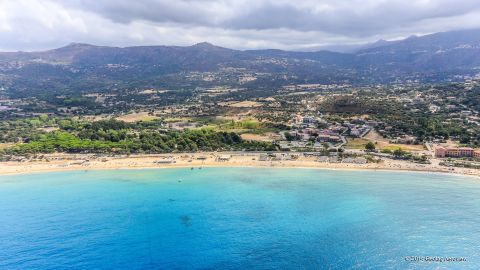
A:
(465, 139)
(386, 151)
(399, 153)
(289, 136)
(370, 147)
(326, 146)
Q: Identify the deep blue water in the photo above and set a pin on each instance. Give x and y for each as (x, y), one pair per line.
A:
(238, 218)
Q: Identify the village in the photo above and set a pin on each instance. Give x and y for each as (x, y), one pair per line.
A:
(335, 123)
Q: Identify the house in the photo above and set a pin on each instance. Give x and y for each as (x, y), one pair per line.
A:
(309, 120)
(328, 137)
(305, 121)
(357, 130)
(405, 139)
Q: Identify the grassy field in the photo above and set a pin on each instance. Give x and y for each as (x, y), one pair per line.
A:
(177, 119)
(135, 117)
(5, 145)
(223, 124)
(256, 137)
(245, 104)
(359, 143)
(383, 144)
(406, 147)
(356, 143)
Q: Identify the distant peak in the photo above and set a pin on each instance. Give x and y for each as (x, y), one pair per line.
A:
(75, 46)
(380, 42)
(204, 44)
(79, 45)
(72, 49)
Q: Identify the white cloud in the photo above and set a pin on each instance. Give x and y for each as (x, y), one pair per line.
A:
(243, 24)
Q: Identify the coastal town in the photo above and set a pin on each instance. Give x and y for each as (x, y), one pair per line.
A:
(242, 108)
(324, 126)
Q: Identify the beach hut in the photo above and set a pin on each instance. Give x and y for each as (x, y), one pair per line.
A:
(165, 161)
(322, 159)
(360, 160)
(224, 158)
(263, 157)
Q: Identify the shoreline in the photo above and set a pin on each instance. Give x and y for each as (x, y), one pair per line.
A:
(240, 166)
(78, 162)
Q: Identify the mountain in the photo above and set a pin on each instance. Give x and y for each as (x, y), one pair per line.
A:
(81, 67)
(349, 48)
(436, 52)
(439, 41)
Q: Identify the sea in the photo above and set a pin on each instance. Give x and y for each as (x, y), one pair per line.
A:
(239, 218)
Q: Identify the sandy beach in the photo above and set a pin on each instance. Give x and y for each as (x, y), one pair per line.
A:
(64, 162)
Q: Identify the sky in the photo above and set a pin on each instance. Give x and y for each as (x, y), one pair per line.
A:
(240, 24)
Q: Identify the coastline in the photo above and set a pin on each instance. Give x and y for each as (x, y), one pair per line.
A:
(75, 162)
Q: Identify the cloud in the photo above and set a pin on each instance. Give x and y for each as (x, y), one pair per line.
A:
(348, 17)
(351, 18)
(243, 24)
(180, 11)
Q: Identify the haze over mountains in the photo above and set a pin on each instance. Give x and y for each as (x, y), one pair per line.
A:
(435, 57)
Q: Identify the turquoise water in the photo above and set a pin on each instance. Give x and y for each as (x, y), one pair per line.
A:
(238, 218)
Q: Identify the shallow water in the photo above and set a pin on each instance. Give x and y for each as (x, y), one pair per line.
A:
(238, 218)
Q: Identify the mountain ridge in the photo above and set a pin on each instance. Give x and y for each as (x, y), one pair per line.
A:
(436, 57)
(469, 34)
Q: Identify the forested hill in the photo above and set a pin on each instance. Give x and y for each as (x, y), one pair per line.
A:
(84, 67)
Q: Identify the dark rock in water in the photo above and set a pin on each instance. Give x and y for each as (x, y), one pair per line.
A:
(185, 220)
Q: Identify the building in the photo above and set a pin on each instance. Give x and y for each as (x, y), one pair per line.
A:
(263, 157)
(167, 160)
(307, 120)
(359, 131)
(223, 158)
(333, 138)
(405, 139)
(442, 152)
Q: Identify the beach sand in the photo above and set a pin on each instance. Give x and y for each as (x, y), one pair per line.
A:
(64, 162)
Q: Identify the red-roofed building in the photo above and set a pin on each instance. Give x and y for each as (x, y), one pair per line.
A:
(442, 152)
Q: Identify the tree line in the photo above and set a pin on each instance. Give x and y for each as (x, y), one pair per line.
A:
(128, 141)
